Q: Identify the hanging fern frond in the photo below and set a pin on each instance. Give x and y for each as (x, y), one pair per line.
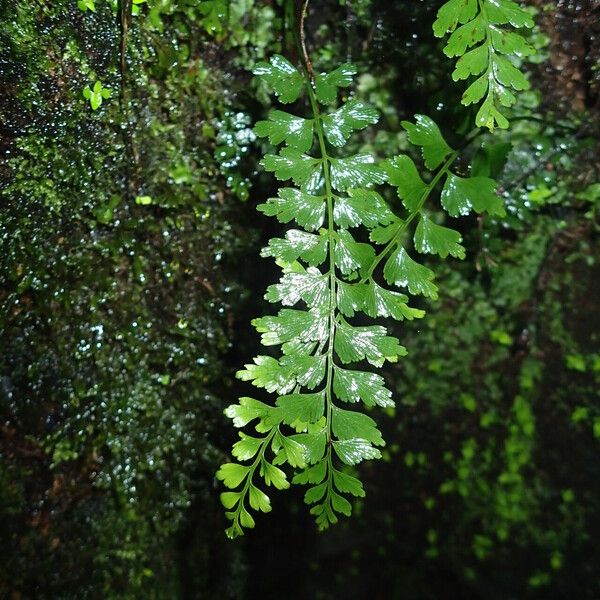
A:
(315, 425)
(482, 26)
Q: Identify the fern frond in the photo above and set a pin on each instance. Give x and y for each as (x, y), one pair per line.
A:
(488, 50)
(315, 425)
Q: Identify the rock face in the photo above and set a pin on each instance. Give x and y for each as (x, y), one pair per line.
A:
(116, 246)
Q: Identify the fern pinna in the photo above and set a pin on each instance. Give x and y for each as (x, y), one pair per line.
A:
(328, 278)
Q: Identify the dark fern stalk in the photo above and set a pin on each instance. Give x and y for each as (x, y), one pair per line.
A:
(329, 277)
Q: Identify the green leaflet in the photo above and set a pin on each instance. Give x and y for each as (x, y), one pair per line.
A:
(309, 370)
(351, 256)
(287, 450)
(401, 270)
(356, 171)
(501, 12)
(351, 116)
(354, 451)
(292, 164)
(327, 84)
(402, 173)
(330, 276)
(283, 127)
(232, 474)
(474, 62)
(259, 500)
(356, 386)
(291, 204)
(466, 36)
(347, 484)
(307, 408)
(230, 499)
(269, 373)
(452, 13)
(427, 134)
(348, 425)
(361, 207)
(292, 325)
(350, 298)
(281, 376)
(273, 476)
(387, 233)
(314, 447)
(247, 447)
(486, 50)
(310, 286)
(96, 94)
(489, 160)
(283, 78)
(431, 238)
(461, 195)
(314, 474)
(248, 410)
(353, 344)
(380, 302)
(309, 247)
(314, 494)
(510, 43)
(374, 301)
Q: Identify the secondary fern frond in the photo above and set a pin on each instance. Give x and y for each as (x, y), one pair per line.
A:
(329, 276)
(482, 26)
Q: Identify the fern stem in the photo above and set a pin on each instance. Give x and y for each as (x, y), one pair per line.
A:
(331, 241)
(332, 284)
(489, 72)
(305, 56)
(332, 292)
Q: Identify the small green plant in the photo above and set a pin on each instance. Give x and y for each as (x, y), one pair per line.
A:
(482, 23)
(136, 6)
(86, 5)
(90, 5)
(214, 13)
(96, 94)
(329, 278)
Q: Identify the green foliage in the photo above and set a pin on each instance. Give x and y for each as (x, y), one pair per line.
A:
(282, 77)
(96, 94)
(310, 431)
(106, 379)
(480, 25)
(85, 5)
